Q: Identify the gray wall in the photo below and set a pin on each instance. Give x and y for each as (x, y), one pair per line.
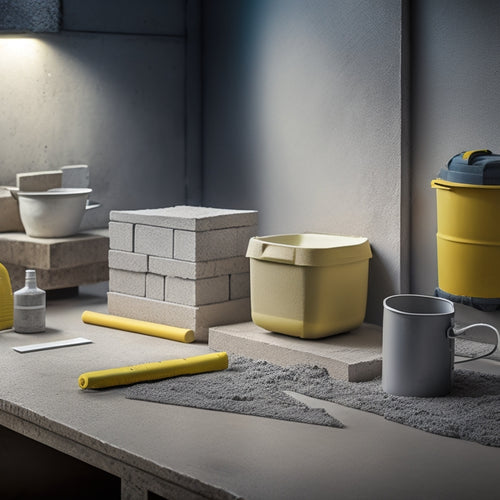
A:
(455, 107)
(318, 115)
(303, 121)
(108, 91)
(304, 115)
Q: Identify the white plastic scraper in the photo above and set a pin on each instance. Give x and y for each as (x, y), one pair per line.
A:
(51, 345)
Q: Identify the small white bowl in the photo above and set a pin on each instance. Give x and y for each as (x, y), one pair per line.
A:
(54, 213)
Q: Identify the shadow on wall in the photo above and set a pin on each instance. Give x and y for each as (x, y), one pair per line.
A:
(303, 121)
(380, 285)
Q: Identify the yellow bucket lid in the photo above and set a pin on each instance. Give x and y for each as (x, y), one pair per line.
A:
(476, 167)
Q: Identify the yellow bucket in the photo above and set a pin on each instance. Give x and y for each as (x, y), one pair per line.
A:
(308, 285)
(468, 238)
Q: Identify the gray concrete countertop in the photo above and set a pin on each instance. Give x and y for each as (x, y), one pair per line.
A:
(180, 452)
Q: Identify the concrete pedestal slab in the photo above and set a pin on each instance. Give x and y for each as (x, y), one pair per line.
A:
(59, 262)
(354, 356)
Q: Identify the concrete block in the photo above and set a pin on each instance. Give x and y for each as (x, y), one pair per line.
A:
(223, 313)
(127, 282)
(189, 218)
(75, 176)
(355, 356)
(197, 292)
(212, 245)
(121, 236)
(156, 311)
(239, 285)
(198, 270)
(197, 318)
(128, 261)
(39, 181)
(155, 286)
(54, 279)
(151, 240)
(9, 213)
(55, 253)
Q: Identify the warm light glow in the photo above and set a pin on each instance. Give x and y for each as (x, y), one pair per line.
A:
(18, 47)
(21, 66)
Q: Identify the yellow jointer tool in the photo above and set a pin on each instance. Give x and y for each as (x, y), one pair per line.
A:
(138, 326)
(153, 371)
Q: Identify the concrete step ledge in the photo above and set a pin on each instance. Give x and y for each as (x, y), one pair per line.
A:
(354, 356)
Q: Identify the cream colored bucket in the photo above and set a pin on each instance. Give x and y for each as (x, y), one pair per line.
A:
(308, 285)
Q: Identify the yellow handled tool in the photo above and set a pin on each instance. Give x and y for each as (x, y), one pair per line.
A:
(470, 155)
(6, 300)
(138, 326)
(153, 371)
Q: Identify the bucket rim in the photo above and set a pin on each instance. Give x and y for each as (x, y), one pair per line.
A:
(334, 249)
(419, 296)
(437, 183)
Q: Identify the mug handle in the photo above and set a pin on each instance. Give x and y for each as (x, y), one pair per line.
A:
(452, 333)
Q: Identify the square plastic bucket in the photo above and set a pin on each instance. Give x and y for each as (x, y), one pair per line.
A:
(308, 285)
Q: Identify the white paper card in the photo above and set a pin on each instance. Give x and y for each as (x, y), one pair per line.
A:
(52, 345)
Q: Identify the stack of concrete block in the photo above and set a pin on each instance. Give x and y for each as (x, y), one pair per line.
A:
(184, 266)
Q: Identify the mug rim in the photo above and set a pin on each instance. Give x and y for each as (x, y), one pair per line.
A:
(419, 296)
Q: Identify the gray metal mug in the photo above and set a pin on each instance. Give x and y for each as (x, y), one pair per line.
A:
(418, 345)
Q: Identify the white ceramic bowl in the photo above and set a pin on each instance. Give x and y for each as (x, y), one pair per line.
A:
(54, 213)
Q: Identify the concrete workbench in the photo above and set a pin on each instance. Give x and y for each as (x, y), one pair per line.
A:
(177, 452)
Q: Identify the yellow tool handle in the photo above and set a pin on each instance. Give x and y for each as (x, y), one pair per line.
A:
(138, 326)
(153, 371)
(6, 300)
(470, 155)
